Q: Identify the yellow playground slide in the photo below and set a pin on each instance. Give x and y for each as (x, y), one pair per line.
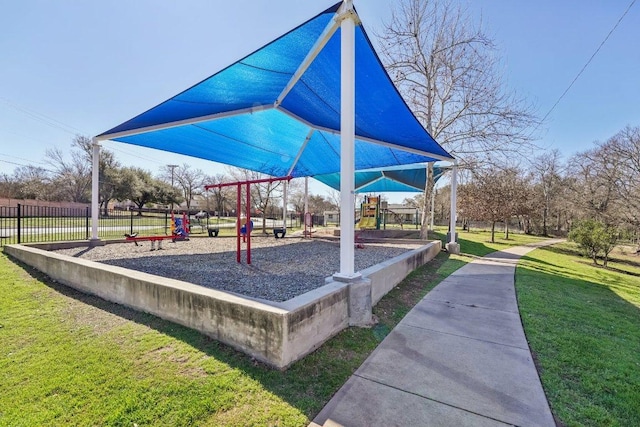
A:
(367, 223)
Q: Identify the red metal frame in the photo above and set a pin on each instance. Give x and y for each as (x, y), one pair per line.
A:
(253, 181)
(238, 225)
(239, 185)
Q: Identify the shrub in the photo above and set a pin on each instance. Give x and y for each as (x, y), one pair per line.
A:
(595, 238)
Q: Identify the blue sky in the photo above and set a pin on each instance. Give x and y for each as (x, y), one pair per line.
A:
(73, 66)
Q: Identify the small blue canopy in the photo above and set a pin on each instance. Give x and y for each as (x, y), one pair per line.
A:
(277, 111)
(386, 180)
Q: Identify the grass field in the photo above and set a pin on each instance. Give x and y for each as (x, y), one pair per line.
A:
(72, 359)
(583, 325)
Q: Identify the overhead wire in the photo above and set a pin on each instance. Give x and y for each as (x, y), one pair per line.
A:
(22, 164)
(586, 64)
(128, 153)
(43, 118)
(22, 158)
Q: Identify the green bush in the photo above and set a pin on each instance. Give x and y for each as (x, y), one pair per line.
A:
(595, 238)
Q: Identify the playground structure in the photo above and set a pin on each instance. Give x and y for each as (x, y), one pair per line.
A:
(373, 215)
(370, 214)
(179, 231)
(241, 229)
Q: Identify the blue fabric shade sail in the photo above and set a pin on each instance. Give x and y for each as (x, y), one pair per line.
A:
(277, 110)
(386, 180)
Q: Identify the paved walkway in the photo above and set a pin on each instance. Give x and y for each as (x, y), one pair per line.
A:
(459, 358)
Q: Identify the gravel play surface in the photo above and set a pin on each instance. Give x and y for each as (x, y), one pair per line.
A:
(280, 268)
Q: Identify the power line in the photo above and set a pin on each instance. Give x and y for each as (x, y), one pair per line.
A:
(22, 158)
(43, 118)
(13, 163)
(129, 153)
(587, 64)
(61, 126)
(22, 164)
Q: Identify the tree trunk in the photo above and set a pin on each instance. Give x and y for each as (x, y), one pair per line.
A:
(544, 221)
(493, 231)
(104, 205)
(506, 229)
(428, 188)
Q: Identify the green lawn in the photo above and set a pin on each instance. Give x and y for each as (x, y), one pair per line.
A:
(583, 325)
(71, 359)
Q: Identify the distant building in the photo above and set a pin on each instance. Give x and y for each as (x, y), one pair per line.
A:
(399, 213)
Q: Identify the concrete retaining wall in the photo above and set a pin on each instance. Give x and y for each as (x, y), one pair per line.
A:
(275, 333)
(386, 276)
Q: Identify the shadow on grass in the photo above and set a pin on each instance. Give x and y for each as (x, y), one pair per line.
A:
(309, 383)
(575, 252)
(584, 337)
(468, 247)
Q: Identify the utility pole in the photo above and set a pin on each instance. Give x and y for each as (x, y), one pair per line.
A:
(172, 167)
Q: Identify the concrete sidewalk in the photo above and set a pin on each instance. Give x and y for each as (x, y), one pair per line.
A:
(459, 358)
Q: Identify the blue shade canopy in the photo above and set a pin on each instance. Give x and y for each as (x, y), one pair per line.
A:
(386, 180)
(277, 111)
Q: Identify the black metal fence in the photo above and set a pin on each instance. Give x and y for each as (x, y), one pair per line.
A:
(28, 224)
(42, 224)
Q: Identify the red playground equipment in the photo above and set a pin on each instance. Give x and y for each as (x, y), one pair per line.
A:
(179, 231)
(240, 233)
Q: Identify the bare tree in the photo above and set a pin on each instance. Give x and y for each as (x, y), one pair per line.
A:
(547, 171)
(72, 177)
(414, 202)
(316, 203)
(108, 169)
(596, 176)
(222, 196)
(296, 199)
(9, 187)
(319, 204)
(447, 69)
(295, 195)
(190, 181)
(262, 194)
(334, 197)
(625, 148)
(442, 208)
(33, 182)
(494, 195)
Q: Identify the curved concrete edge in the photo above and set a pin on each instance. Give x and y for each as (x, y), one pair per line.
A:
(277, 334)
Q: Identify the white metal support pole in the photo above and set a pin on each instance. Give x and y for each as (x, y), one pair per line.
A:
(95, 190)
(453, 246)
(347, 143)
